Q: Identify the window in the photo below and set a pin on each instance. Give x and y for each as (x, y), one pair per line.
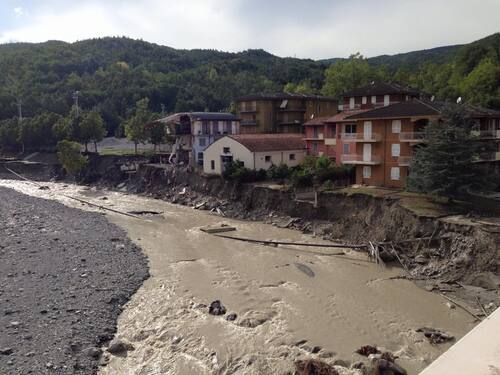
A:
(386, 100)
(364, 99)
(291, 157)
(395, 149)
(203, 142)
(350, 128)
(351, 103)
(315, 147)
(212, 164)
(315, 131)
(367, 171)
(395, 173)
(267, 158)
(200, 158)
(227, 127)
(226, 150)
(345, 148)
(374, 99)
(396, 126)
(205, 129)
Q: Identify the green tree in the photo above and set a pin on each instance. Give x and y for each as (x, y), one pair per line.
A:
(482, 84)
(347, 74)
(156, 134)
(92, 128)
(69, 155)
(445, 165)
(135, 127)
(9, 134)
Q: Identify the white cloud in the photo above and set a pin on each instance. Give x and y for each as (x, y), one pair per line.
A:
(18, 11)
(318, 29)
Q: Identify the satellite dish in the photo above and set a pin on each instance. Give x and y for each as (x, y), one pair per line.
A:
(432, 98)
(312, 116)
(459, 100)
(373, 82)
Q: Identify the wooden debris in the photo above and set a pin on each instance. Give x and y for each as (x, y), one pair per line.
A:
(461, 306)
(220, 228)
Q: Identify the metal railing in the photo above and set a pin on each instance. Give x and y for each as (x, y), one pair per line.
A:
(360, 137)
(411, 136)
(360, 159)
(404, 160)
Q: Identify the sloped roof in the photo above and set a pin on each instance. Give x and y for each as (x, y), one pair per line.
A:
(477, 111)
(270, 142)
(316, 121)
(381, 88)
(284, 96)
(200, 116)
(409, 108)
(343, 116)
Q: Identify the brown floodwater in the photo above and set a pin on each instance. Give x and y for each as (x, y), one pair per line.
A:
(346, 301)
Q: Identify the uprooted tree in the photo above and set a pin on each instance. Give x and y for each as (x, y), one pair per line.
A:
(449, 163)
(70, 157)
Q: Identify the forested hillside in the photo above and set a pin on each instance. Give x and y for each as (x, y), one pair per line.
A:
(112, 74)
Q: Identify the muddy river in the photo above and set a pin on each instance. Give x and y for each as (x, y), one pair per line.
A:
(283, 313)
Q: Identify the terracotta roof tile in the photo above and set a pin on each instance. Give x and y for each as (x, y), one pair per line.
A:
(270, 142)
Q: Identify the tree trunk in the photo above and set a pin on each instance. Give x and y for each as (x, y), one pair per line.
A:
(86, 147)
(135, 145)
(95, 146)
(154, 148)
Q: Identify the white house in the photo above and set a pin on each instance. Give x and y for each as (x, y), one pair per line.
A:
(255, 151)
(195, 131)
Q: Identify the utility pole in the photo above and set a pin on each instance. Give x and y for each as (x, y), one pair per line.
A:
(20, 109)
(162, 110)
(75, 97)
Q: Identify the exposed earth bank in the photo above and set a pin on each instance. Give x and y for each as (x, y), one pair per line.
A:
(65, 275)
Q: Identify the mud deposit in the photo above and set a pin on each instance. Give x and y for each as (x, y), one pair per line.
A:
(64, 276)
(283, 313)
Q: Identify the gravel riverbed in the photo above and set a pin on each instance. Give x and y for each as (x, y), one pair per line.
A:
(65, 275)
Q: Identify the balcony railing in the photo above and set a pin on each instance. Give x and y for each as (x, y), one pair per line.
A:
(489, 156)
(248, 109)
(314, 137)
(404, 161)
(360, 137)
(248, 122)
(487, 134)
(360, 159)
(412, 137)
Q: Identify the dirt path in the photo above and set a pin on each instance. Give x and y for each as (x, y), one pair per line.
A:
(64, 276)
(283, 313)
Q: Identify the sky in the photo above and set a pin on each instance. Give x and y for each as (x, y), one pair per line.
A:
(301, 28)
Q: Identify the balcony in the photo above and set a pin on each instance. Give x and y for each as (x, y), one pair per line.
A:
(291, 109)
(487, 134)
(314, 137)
(331, 141)
(248, 123)
(404, 161)
(360, 137)
(489, 156)
(248, 110)
(412, 137)
(357, 159)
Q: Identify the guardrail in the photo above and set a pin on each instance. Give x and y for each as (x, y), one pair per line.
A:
(360, 137)
(411, 136)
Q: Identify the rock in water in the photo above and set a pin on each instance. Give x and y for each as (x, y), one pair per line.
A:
(119, 346)
(302, 267)
(216, 308)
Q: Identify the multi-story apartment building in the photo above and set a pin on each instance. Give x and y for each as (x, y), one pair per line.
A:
(281, 112)
(324, 135)
(386, 138)
(377, 94)
(195, 131)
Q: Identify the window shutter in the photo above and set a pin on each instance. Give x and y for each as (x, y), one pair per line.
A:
(396, 126)
(395, 149)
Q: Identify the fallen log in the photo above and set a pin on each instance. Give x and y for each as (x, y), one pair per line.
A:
(267, 242)
(461, 306)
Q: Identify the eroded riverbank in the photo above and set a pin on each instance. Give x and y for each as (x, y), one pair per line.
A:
(348, 303)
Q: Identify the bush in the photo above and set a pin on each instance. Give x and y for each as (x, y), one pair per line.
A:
(280, 172)
(235, 171)
(302, 177)
(70, 157)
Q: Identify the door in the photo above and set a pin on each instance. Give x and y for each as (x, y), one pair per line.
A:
(367, 152)
(367, 130)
